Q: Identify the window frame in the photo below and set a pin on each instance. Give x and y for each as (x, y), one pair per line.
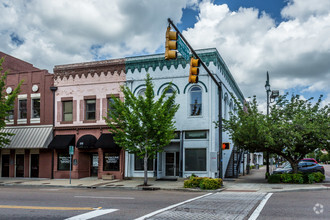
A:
(86, 109)
(64, 113)
(194, 160)
(191, 91)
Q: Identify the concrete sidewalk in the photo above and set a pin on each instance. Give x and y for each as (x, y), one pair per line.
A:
(254, 182)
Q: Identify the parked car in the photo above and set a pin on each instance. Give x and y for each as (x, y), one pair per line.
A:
(303, 166)
(309, 160)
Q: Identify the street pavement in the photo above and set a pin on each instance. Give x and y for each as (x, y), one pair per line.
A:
(237, 199)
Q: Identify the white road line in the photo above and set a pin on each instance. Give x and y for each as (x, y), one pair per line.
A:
(103, 197)
(256, 212)
(92, 214)
(170, 207)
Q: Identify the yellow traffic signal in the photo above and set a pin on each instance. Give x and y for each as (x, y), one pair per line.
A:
(171, 44)
(194, 70)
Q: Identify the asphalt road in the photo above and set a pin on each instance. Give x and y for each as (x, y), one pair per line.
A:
(62, 203)
(297, 205)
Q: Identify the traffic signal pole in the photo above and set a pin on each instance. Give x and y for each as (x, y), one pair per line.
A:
(219, 85)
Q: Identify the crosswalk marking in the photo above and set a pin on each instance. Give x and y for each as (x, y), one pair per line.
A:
(92, 214)
(44, 207)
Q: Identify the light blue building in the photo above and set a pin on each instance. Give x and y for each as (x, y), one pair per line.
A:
(195, 150)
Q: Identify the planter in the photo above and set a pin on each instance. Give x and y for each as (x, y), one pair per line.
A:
(108, 177)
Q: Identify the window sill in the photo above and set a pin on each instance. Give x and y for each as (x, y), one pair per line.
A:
(11, 122)
(89, 121)
(21, 121)
(66, 122)
(34, 120)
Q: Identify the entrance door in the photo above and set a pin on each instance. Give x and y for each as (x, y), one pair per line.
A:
(34, 165)
(172, 164)
(95, 164)
(19, 165)
(5, 165)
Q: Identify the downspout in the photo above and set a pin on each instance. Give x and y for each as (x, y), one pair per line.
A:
(220, 130)
(181, 155)
(53, 89)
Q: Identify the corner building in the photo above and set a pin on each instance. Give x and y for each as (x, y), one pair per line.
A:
(195, 149)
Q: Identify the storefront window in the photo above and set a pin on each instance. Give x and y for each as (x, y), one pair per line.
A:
(139, 163)
(195, 135)
(195, 159)
(111, 162)
(63, 161)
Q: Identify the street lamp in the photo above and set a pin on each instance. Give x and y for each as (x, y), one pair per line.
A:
(275, 93)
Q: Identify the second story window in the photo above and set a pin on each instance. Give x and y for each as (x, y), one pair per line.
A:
(90, 106)
(67, 110)
(22, 109)
(110, 101)
(10, 116)
(35, 108)
(195, 101)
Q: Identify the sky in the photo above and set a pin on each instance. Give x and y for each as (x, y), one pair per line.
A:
(288, 38)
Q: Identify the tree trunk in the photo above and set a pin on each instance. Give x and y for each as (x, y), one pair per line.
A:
(145, 169)
(294, 165)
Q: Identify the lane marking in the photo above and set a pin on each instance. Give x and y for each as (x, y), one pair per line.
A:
(92, 214)
(43, 207)
(103, 197)
(170, 207)
(256, 212)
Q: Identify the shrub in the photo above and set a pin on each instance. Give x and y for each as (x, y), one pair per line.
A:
(318, 177)
(311, 178)
(210, 184)
(274, 178)
(187, 184)
(297, 178)
(286, 178)
(196, 181)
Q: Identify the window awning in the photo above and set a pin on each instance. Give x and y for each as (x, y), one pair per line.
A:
(29, 137)
(106, 141)
(86, 142)
(62, 141)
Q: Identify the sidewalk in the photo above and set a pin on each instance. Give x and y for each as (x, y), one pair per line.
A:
(254, 182)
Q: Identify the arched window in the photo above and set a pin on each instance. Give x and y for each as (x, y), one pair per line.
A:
(169, 93)
(142, 92)
(195, 101)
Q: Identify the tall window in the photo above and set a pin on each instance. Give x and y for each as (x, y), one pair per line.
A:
(22, 108)
(195, 159)
(169, 93)
(139, 163)
(90, 109)
(195, 101)
(225, 106)
(67, 110)
(10, 116)
(110, 101)
(35, 108)
(142, 93)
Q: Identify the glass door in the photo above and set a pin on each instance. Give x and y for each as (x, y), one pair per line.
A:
(34, 165)
(19, 165)
(5, 165)
(95, 164)
(172, 164)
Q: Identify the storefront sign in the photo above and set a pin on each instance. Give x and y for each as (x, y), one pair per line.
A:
(64, 160)
(112, 159)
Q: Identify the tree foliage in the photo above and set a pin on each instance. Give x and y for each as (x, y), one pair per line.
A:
(6, 104)
(143, 125)
(294, 128)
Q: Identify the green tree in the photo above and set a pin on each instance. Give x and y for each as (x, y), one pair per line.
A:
(294, 128)
(6, 104)
(143, 125)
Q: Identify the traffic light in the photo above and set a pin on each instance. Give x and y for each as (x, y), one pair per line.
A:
(171, 44)
(194, 70)
(225, 146)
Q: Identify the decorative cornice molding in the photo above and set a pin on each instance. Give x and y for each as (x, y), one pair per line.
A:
(106, 67)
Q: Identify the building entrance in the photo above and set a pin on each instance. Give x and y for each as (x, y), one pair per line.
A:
(94, 164)
(34, 172)
(5, 165)
(19, 165)
(172, 163)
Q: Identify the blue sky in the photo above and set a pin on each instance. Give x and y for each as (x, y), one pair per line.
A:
(288, 38)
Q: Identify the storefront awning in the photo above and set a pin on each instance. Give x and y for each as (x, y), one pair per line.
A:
(29, 137)
(86, 142)
(106, 141)
(62, 141)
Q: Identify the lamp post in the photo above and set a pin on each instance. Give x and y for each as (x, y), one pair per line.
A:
(275, 93)
(267, 87)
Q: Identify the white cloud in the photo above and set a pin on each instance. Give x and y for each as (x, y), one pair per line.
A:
(61, 31)
(296, 52)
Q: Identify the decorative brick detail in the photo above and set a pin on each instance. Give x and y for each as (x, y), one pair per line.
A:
(59, 111)
(97, 112)
(81, 107)
(116, 66)
(104, 107)
(74, 110)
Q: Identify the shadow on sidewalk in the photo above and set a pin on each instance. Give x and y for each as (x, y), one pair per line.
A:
(255, 176)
